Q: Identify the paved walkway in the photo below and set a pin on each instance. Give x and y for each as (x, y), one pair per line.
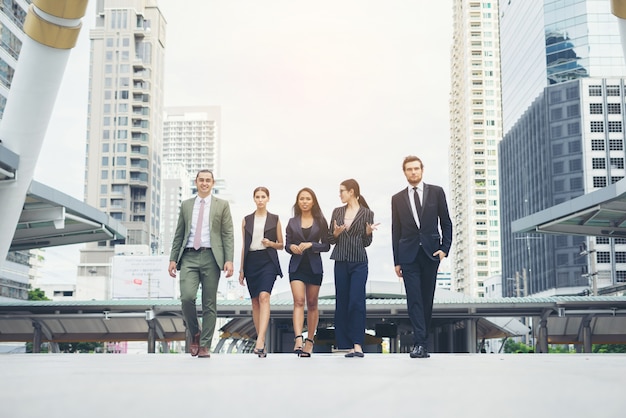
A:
(326, 385)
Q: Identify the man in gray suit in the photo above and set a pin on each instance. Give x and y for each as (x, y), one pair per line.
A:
(421, 233)
(203, 245)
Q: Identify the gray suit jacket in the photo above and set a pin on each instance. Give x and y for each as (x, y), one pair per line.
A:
(221, 227)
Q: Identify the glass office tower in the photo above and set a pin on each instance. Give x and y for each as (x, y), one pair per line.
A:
(561, 66)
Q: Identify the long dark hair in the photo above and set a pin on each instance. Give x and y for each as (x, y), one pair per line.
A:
(316, 211)
(351, 184)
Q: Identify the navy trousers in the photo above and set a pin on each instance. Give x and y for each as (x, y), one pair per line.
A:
(350, 281)
(420, 278)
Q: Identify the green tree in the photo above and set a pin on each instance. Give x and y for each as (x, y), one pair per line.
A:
(37, 294)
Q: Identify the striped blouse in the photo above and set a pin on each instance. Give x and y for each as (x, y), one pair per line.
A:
(350, 245)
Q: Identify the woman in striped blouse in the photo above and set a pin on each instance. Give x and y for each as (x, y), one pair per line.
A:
(350, 230)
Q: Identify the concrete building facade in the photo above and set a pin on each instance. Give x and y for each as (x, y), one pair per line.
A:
(124, 130)
(475, 130)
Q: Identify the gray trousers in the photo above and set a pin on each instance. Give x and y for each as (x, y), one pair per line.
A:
(199, 267)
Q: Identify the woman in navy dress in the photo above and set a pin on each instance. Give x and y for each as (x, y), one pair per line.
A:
(350, 231)
(306, 238)
(262, 237)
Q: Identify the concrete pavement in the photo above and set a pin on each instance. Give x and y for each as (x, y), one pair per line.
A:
(326, 385)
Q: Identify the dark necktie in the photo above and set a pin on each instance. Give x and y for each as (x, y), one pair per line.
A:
(418, 204)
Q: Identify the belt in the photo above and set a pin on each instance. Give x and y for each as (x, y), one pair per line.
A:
(198, 250)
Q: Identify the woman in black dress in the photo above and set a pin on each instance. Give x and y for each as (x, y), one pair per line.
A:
(306, 238)
(262, 237)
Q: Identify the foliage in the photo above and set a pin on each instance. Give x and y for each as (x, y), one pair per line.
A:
(560, 349)
(608, 348)
(511, 346)
(37, 294)
(80, 347)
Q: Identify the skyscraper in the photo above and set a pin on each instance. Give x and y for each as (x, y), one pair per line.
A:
(191, 142)
(191, 136)
(562, 100)
(546, 42)
(123, 151)
(475, 130)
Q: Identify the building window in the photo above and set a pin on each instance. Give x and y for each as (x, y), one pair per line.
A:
(620, 240)
(573, 128)
(599, 181)
(562, 259)
(557, 167)
(615, 126)
(602, 240)
(555, 96)
(576, 184)
(615, 179)
(595, 90)
(556, 114)
(597, 144)
(597, 126)
(614, 108)
(575, 165)
(620, 257)
(612, 90)
(572, 111)
(598, 163)
(573, 146)
(620, 276)
(556, 131)
(557, 149)
(616, 145)
(617, 163)
(603, 257)
(559, 186)
(571, 93)
(595, 108)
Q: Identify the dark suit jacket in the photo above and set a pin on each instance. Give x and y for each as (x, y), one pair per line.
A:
(350, 245)
(221, 227)
(406, 236)
(318, 236)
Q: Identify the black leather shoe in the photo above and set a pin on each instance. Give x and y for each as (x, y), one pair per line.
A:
(419, 351)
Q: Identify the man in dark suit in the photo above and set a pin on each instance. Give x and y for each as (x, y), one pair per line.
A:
(203, 245)
(421, 232)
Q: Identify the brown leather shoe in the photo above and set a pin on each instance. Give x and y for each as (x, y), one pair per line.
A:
(194, 346)
(204, 352)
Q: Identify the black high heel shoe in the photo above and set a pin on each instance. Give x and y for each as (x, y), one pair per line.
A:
(298, 350)
(306, 353)
(260, 352)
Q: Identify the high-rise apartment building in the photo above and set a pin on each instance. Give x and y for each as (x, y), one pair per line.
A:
(191, 136)
(562, 103)
(191, 142)
(475, 125)
(123, 152)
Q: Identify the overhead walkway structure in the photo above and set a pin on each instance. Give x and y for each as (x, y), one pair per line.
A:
(458, 323)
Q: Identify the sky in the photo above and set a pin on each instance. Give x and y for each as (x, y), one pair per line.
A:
(311, 93)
